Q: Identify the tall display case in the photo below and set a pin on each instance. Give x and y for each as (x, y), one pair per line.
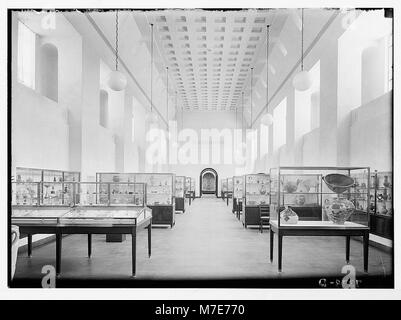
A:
(319, 201)
(190, 189)
(229, 192)
(382, 220)
(180, 193)
(223, 188)
(256, 194)
(55, 189)
(238, 194)
(160, 192)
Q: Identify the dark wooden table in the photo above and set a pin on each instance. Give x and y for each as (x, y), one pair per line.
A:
(319, 228)
(61, 225)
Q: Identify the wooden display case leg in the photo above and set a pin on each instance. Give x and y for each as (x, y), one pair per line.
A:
(89, 245)
(29, 236)
(133, 248)
(366, 251)
(59, 246)
(280, 252)
(347, 248)
(271, 245)
(150, 239)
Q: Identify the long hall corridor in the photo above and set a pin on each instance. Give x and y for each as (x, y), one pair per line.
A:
(207, 242)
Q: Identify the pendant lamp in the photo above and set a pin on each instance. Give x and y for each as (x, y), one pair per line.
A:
(117, 80)
(267, 118)
(151, 117)
(302, 80)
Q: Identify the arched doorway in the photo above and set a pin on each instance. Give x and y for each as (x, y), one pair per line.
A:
(208, 181)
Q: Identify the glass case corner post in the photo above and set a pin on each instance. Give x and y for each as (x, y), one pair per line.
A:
(368, 198)
(279, 196)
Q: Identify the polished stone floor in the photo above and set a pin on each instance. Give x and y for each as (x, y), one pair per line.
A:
(207, 242)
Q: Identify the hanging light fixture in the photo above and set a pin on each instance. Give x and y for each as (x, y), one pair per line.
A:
(302, 80)
(151, 117)
(267, 118)
(251, 93)
(167, 116)
(117, 80)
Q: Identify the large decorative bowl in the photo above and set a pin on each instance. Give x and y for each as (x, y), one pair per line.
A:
(338, 210)
(338, 183)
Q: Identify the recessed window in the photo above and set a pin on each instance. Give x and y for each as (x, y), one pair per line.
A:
(26, 55)
(132, 129)
(49, 71)
(307, 105)
(280, 125)
(104, 108)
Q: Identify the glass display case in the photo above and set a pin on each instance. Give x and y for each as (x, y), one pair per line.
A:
(325, 194)
(179, 186)
(38, 175)
(193, 185)
(160, 187)
(159, 193)
(180, 198)
(223, 187)
(54, 190)
(70, 194)
(238, 187)
(25, 193)
(256, 194)
(238, 193)
(28, 175)
(187, 185)
(383, 193)
(320, 201)
(257, 189)
(381, 205)
(230, 184)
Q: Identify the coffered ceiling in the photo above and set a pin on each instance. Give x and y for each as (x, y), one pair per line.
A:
(210, 53)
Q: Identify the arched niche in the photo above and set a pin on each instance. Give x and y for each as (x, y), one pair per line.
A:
(212, 177)
(49, 71)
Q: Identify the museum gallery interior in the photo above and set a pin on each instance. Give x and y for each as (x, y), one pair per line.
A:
(183, 144)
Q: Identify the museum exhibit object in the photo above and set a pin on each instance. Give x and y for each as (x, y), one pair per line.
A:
(160, 192)
(238, 189)
(87, 214)
(256, 194)
(180, 192)
(381, 218)
(319, 201)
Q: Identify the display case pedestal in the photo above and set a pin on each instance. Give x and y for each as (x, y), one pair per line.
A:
(163, 215)
(382, 225)
(180, 204)
(250, 216)
(115, 237)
